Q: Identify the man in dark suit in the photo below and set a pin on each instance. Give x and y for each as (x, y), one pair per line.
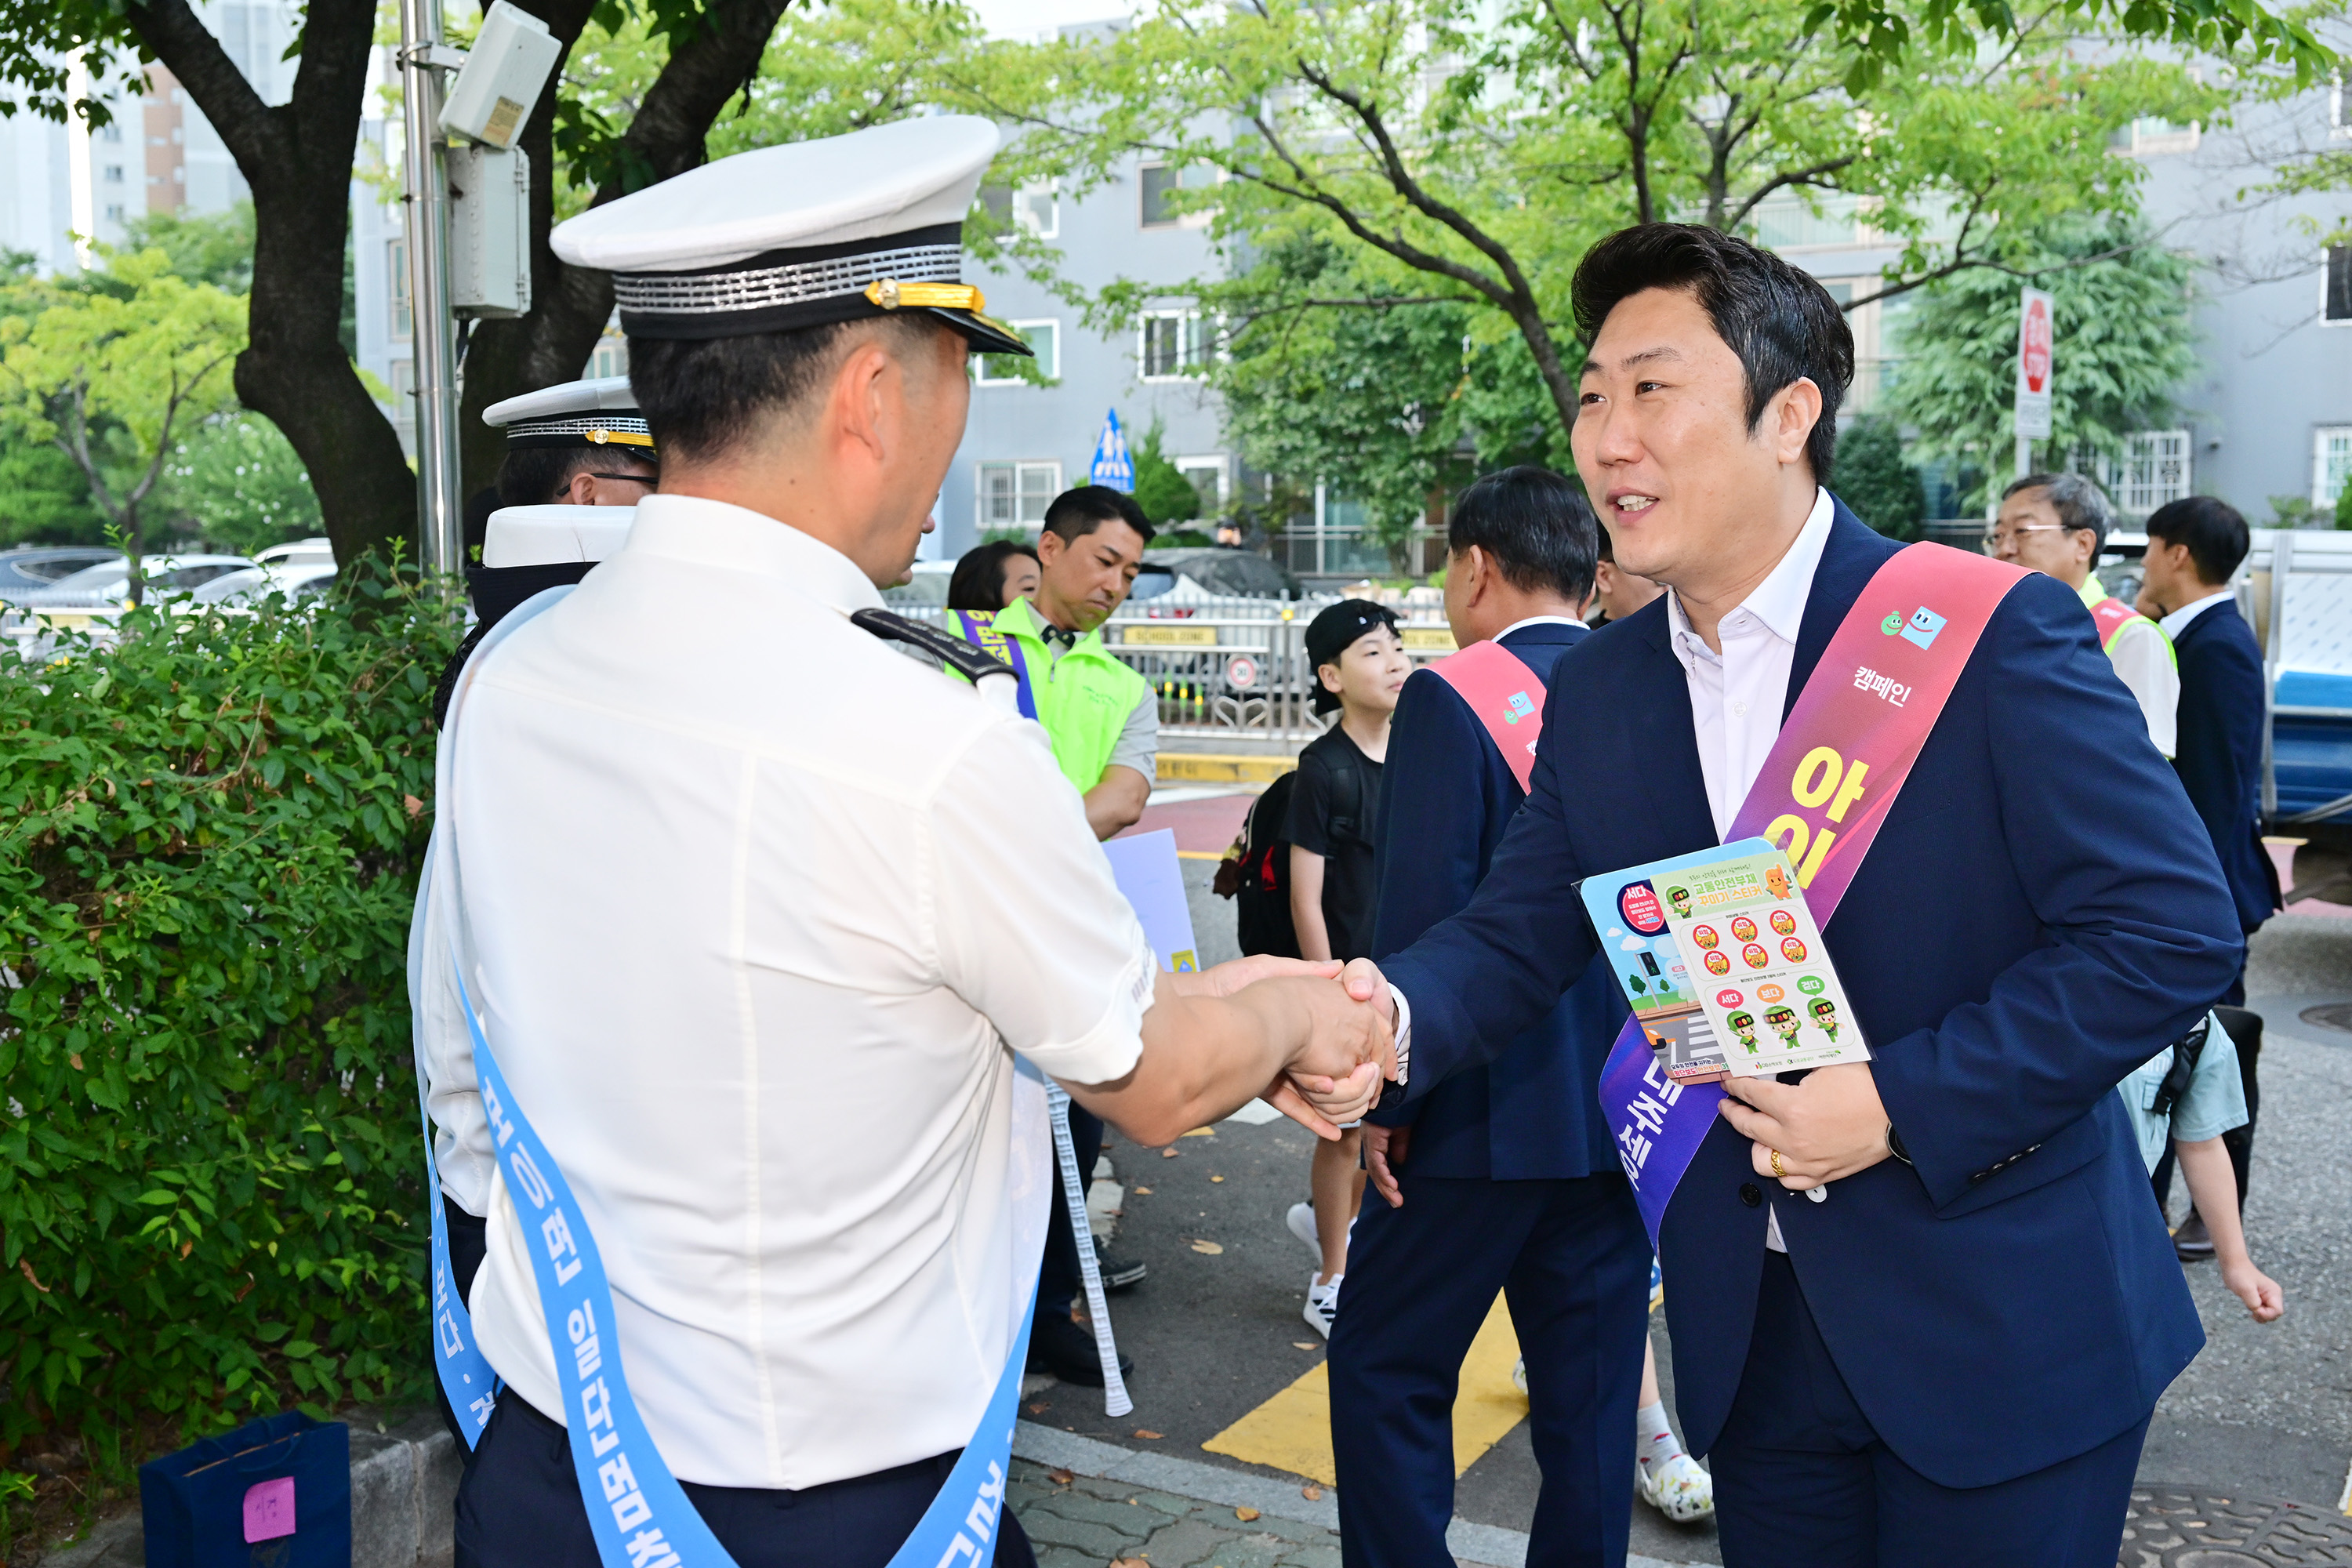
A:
(1504, 1176)
(1953, 1357)
(2194, 548)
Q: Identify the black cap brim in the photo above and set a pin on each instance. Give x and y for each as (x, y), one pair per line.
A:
(986, 336)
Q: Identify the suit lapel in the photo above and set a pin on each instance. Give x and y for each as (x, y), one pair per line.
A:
(1852, 556)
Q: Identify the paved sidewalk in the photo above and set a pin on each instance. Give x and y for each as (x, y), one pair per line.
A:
(1086, 1503)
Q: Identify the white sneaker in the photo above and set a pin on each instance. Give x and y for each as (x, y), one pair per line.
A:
(1677, 1487)
(1322, 1303)
(1301, 1220)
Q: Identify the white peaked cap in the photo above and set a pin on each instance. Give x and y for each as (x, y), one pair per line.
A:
(885, 180)
(801, 235)
(549, 535)
(572, 397)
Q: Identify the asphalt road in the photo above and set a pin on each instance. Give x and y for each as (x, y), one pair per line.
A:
(2262, 1411)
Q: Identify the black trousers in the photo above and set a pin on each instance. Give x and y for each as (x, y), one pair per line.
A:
(1802, 1479)
(1058, 1280)
(519, 1507)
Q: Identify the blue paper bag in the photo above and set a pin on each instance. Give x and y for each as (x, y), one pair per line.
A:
(274, 1493)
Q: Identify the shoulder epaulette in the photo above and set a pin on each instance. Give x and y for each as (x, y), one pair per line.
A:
(951, 651)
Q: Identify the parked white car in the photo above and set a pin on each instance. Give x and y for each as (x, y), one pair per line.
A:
(298, 582)
(108, 584)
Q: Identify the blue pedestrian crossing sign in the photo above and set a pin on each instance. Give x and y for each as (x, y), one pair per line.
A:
(1112, 465)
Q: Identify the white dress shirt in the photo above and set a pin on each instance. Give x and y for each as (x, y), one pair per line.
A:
(2177, 622)
(2141, 654)
(1736, 695)
(756, 909)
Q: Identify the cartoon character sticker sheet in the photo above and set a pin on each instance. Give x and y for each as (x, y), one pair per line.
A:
(1783, 1007)
(1770, 1000)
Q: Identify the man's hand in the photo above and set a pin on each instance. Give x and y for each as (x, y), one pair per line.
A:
(1384, 1150)
(1226, 979)
(1824, 1129)
(1366, 983)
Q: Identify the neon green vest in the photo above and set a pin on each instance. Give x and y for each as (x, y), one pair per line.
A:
(2114, 616)
(1083, 698)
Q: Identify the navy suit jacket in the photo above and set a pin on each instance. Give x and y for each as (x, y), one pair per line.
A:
(2037, 917)
(2220, 751)
(1446, 794)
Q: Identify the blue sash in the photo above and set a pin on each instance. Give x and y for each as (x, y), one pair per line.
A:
(639, 1515)
(979, 628)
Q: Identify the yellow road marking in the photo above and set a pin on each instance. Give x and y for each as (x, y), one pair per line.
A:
(1292, 1431)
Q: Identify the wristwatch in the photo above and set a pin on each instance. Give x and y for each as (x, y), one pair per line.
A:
(1895, 1144)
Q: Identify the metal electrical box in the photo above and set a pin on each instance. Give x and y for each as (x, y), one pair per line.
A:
(490, 232)
(503, 77)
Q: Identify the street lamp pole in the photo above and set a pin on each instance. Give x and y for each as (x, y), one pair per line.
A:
(440, 505)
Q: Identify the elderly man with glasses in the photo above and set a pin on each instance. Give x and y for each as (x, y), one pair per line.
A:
(2057, 524)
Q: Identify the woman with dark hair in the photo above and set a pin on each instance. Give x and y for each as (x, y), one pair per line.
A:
(993, 576)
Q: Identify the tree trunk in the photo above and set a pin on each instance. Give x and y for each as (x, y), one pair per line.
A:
(707, 67)
(297, 158)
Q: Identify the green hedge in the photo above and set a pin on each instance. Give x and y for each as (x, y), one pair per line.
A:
(210, 1184)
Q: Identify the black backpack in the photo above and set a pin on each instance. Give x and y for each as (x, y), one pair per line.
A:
(1262, 896)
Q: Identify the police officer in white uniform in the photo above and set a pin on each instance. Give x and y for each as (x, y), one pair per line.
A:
(755, 912)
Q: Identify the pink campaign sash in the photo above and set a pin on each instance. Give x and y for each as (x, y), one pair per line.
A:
(1825, 791)
(1506, 697)
(2113, 616)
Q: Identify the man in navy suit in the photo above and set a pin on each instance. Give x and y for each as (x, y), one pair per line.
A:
(1504, 1177)
(2194, 548)
(1953, 1357)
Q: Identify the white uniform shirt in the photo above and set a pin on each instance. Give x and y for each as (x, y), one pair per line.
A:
(2143, 661)
(757, 908)
(1736, 696)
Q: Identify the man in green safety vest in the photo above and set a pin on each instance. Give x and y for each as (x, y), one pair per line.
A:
(2057, 524)
(1101, 716)
(1103, 720)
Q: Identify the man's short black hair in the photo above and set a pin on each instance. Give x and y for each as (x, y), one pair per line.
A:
(1775, 316)
(1079, 512)
(2213, 530)
(704, 397)
(538, 476)
(1538, 530)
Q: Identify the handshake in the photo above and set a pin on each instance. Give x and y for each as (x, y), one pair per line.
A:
(1331, 1029)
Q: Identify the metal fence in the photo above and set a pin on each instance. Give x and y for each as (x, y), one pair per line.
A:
(1235, 667)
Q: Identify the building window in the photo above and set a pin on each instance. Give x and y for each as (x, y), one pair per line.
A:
(2150, 135)
(1015, 495)
(1158, 184)
(396, 255)
(1207, 477)
(1045, 340)
(1172, 345)
(2154, 470)
(610, 358)
(114, 212)
(2336, 285)
(114, 174)
(2337, 127)
(2331, 464)
(1037, 208)
(113, 132)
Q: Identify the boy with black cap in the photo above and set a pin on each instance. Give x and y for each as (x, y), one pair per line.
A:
(1359, 667)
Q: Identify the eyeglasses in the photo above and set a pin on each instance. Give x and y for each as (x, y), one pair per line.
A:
(1997, 540)
(633, 478)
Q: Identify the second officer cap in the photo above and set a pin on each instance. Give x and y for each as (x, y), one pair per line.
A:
(803, 235)
(602, 412)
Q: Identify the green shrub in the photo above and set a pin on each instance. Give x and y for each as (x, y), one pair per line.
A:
(209, 1174)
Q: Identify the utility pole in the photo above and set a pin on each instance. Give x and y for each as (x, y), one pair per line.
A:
(440, 508)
